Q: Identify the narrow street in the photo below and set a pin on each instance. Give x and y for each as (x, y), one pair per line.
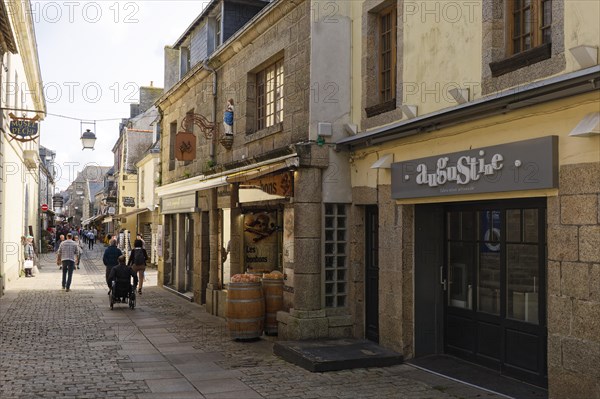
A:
(70, 344)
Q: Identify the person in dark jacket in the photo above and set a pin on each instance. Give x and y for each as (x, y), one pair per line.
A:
(137, 261)
(111, 257)
(122, 274)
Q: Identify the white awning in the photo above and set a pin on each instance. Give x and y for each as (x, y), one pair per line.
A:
(133, 212)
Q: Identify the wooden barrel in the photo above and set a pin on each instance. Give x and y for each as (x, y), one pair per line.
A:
(245, 310)
(273, 291)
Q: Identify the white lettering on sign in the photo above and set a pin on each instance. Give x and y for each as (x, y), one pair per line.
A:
(467, 169)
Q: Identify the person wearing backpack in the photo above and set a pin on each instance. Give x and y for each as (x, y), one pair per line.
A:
(137, 261)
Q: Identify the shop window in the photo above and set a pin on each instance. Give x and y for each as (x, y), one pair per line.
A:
(336, 250)
(269, 96)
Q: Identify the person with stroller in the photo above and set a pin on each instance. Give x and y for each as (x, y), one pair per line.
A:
(122, 274)
(137, 261)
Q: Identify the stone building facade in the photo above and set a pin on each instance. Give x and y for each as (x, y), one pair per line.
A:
(278, 171)
(503, 273)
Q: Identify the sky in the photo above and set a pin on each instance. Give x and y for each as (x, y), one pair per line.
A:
(94, 56)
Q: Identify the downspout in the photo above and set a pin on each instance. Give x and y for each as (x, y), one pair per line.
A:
(211, 152)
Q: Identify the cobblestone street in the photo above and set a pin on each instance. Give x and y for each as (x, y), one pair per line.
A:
(70, 344)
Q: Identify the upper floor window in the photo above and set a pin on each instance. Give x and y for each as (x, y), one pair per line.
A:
(218, 32)
(387, 54)
(269, 96)
(530, 24)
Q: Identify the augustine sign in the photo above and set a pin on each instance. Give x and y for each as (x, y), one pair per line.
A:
(524, 165)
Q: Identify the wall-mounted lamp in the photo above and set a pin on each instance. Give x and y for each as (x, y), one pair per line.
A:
(461, 96)
(588, 126)
(586, 56)
(384, 162)
(410, 111)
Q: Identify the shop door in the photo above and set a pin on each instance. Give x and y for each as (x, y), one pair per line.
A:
(372, 273)
(494, 281)
(189, 253)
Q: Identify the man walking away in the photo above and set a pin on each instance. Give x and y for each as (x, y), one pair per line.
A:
(91, 239)
(111, 257)
(137, 261)
(68, 252)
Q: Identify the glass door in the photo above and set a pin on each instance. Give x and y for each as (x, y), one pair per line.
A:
(495, 286)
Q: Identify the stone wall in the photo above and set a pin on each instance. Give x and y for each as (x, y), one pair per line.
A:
(574, 284)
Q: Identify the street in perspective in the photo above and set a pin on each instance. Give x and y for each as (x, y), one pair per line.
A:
(300, 199)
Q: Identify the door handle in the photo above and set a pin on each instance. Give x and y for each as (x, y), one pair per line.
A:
(443, 281)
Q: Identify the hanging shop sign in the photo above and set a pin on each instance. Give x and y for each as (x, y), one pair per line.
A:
(261, 246)
(185, 146)
(524, 165)
(128, 202)
(23, 129)
(280, 184)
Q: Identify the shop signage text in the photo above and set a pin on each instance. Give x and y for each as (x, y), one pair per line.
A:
(23, 129)
(280, 184)
(524, 165)
(466, 170)
(179, 204)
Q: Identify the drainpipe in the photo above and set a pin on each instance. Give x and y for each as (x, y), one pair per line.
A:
(211, 152)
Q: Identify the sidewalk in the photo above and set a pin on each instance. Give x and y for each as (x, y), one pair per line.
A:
(70, 344)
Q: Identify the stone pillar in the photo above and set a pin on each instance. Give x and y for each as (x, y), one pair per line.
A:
(236, 253)
(307, 319)
(574, 284)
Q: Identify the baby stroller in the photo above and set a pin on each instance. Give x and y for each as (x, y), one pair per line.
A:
(123, 292)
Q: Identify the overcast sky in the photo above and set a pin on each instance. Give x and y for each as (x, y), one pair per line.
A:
(94, 55)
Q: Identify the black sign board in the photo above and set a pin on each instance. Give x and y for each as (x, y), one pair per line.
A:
(128, 201)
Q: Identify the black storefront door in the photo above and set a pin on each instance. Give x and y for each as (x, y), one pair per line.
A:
(372, 273)
(480, 284)
(494, 286)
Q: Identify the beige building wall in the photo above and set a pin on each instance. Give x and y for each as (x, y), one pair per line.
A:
(19, 202)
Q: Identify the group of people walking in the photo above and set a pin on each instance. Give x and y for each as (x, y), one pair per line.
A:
(114, 258)
(70, 250)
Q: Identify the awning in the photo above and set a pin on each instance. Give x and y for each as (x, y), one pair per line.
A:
(91, 220)
(130, 213)
(246, 175)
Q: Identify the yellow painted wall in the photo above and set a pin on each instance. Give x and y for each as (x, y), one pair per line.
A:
(581, 27)
(356, 13)
(558, 119)
(441, 50)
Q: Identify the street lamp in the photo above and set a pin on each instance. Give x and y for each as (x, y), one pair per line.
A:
(88, 139)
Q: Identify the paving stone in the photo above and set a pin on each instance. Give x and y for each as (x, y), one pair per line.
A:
(71, 345)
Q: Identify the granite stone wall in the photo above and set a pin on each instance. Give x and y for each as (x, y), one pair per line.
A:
(574, 284)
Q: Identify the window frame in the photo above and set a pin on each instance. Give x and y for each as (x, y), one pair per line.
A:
(387, 93)
(536, 21)
(269, 95)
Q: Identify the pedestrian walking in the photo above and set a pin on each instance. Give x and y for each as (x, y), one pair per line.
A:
(80, 245)
(111, 257)
(91, 239)
(28, 255)
(68, 252)
(137, 260)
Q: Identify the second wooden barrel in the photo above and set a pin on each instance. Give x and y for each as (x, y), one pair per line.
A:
(273, 291)
(245, 310)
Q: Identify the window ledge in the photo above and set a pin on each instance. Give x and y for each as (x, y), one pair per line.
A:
(260, 134)
(521, 60)
(381, 108)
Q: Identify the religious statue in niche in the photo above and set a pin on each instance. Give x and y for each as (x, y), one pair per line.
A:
(228, 118)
